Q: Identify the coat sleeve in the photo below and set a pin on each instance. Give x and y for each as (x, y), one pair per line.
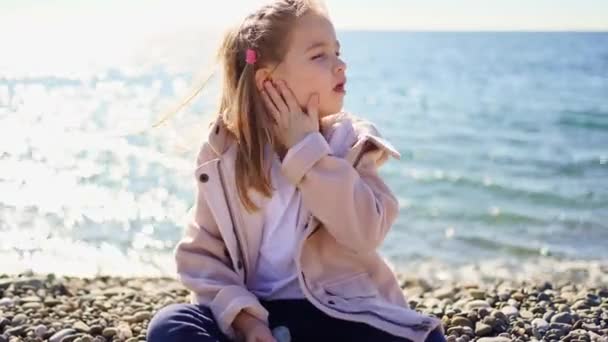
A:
(345, 194)
(204, 267)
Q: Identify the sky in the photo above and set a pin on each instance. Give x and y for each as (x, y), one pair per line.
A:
(442, 15)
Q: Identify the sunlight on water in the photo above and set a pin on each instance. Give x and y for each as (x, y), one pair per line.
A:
(87, 187)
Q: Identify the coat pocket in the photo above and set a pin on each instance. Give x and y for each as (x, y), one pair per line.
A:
(352, 286)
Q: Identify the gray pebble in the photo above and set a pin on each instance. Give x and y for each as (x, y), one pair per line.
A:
(96, 329)
(539, 323)
(499, 315)
(141, 316)
(58, 336)
(81, 326)
(16, 331)
(510, 311)
(490, 320)
(482, 329)
(41, 330)
(543, 296)
(19, 319)
(477, 304)
(124, 331)
(548, 315)
(562, 317)
(32, 305)
(109, 332)
(6, 302)
(494, 339)
(3, 322)
(462, 321)
(71, 338)
(477, 294)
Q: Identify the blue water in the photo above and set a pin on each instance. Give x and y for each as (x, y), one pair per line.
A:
(504, 138)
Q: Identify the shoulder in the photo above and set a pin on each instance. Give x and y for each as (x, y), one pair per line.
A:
(205, 153)
(369, 135)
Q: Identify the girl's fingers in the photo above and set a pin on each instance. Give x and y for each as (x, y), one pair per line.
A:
(312, 108)
(271, 107)
(276, 97)
(289, 97)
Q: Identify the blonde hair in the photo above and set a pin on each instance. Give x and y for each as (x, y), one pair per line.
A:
(267, 31)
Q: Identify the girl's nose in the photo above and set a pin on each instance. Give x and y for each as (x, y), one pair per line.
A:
(340, 66)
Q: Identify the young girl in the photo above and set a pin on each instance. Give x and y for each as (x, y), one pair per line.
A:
(289, 207)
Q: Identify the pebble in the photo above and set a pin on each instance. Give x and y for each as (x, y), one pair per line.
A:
(540, 324)
(3, 322)
(477, 294)
(96, 329)
(510, 311)
(32, 305)
(140, 317)
(494, 339)
(19, 319)
(526, 314)
(562, 317)
(124, 332)
(109, 332)
(6, 302)
(41, 330)
(477, 304)
(482, 329)
(462, 321)
(30, 299)
(81, 327)
(15, 331)
(60, 335)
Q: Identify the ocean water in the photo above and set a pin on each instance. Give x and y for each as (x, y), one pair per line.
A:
(503, 136)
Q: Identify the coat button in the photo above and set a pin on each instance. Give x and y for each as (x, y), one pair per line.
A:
(203, 177)
(239, 264)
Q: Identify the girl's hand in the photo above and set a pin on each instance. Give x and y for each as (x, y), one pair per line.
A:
(251, 329)
(259, 333)
(293, 123)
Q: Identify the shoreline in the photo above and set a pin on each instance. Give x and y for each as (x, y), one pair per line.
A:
(36, 307)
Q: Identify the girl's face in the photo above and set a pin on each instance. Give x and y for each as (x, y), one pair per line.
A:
(312, 64)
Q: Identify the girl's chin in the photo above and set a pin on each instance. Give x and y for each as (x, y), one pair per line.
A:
(333, 109)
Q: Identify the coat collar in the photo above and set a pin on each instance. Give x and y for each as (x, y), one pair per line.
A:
(330, 126)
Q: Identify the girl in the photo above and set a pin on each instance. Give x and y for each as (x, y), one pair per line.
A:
(289, 207)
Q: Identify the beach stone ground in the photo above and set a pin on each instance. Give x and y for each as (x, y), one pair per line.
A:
(70, 309)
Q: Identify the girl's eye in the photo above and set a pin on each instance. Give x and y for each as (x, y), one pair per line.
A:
(338, 53)
(318, 56)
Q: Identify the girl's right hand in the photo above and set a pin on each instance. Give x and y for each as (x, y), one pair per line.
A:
(259, 333)
(252, 329)
(294, 122)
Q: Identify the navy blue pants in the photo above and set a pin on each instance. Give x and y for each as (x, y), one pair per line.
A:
(190, 322)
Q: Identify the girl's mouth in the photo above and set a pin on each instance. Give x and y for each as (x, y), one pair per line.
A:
(340, 88)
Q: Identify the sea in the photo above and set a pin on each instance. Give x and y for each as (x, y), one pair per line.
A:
(503, 139)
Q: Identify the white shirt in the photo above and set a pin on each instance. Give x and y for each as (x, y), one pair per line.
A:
(276, 276)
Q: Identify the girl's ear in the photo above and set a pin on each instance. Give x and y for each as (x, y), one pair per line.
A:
(261, 75)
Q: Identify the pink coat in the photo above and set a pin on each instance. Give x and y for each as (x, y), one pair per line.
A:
(349, 212)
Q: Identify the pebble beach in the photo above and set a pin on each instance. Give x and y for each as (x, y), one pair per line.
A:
(109, 308)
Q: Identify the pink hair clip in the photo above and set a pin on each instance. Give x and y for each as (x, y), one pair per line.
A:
(251, 56)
